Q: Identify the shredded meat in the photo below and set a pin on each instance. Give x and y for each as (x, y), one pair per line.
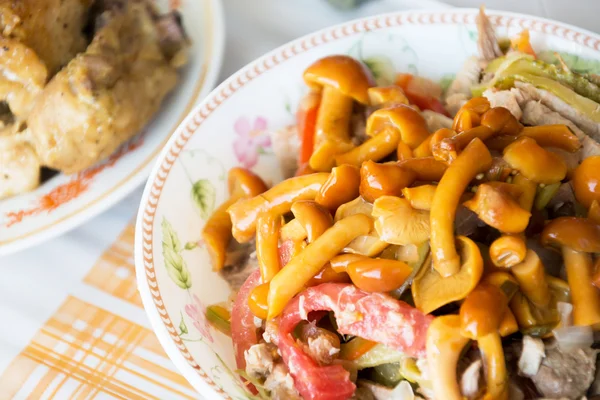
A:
(566, 374)
(506, 99)
(455, 102)
(260, 360)
(436, 120)
(467, 77)
(535, 113)
(240, 261)
(280, 384)
(322, 349)
(553, 102)
(487, 43)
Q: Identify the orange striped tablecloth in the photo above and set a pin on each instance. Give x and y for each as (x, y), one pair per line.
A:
(86, 350)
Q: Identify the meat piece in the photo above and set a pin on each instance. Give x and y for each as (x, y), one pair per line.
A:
(531, 356)
(322, 349)
(240, 262)
(535, 113)
(54, 29)
(470, 381)
(467, 77)
(286, 146)
(455, 102)
(280, 384)
(506, 99)
(436, 120)
(377, 392)
(260, 359)
(22, 77)
(172, 38)
(487, 43)
(103, 96)
(556, 104)
(566, 374)
(19, 166)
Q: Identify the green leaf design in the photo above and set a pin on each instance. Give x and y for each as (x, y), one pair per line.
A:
(174, 262)
(183, 330)
(203, 194)
(472, 35)
(574, 62)
(382, 69)
(190, 245)
(446, 81)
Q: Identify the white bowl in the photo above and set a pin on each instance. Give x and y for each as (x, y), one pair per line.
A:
(63, 202)
(264, 94)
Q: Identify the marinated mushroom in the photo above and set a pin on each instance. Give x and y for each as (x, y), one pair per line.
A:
(586, 181)
(444, 346)
(343, 80)
(387, 96)
(473, 160)
(397, 222)
(508, 251)
(411, 126)
(291, 279)
(278, 199)
(498, 209)
(431, 290)
(341, 187)
(535, 162)
(217, 231)
(378, 180)
(577, 237)
(482, 311)
(420, 197)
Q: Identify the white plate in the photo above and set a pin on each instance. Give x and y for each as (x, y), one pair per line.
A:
(64, 202)
(264, 94)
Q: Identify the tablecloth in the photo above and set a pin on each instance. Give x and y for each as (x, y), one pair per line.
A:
(72, 321)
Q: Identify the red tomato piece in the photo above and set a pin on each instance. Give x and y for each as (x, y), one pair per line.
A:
(307, 121)
(372, 316)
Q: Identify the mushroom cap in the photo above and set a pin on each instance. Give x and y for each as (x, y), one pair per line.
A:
(535, 162)
(398, 223)
(407, 120)
(580, 234)
(349, 76)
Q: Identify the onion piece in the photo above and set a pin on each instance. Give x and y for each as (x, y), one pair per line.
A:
(566, 314)
(403, 391)
(531, 356)
(574, 337)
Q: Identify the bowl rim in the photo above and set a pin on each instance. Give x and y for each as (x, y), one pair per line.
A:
(98, 204)
(144, 261)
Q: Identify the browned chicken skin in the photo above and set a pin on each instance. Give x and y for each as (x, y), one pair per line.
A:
(51, 28)
(107, 94)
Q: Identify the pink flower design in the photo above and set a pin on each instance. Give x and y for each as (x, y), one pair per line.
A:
(197, 312)
(250, 141)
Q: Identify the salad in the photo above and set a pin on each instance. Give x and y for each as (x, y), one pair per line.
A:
(428, 243)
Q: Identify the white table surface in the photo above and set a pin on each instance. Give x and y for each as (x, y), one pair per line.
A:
(36, 280)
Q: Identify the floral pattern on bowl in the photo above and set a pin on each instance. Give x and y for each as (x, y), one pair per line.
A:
(227, 130)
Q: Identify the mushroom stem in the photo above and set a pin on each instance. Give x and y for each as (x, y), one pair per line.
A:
(444, 346)
(495, 366)
(375, 148)
(278, 199)
(332, 129)
(532, 279)
(474, 159)
(314, 218)
(585, 297)
(267, 244)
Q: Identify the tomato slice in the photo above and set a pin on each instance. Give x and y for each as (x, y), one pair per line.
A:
(307, 121)
(372, 316)
(421, 92)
